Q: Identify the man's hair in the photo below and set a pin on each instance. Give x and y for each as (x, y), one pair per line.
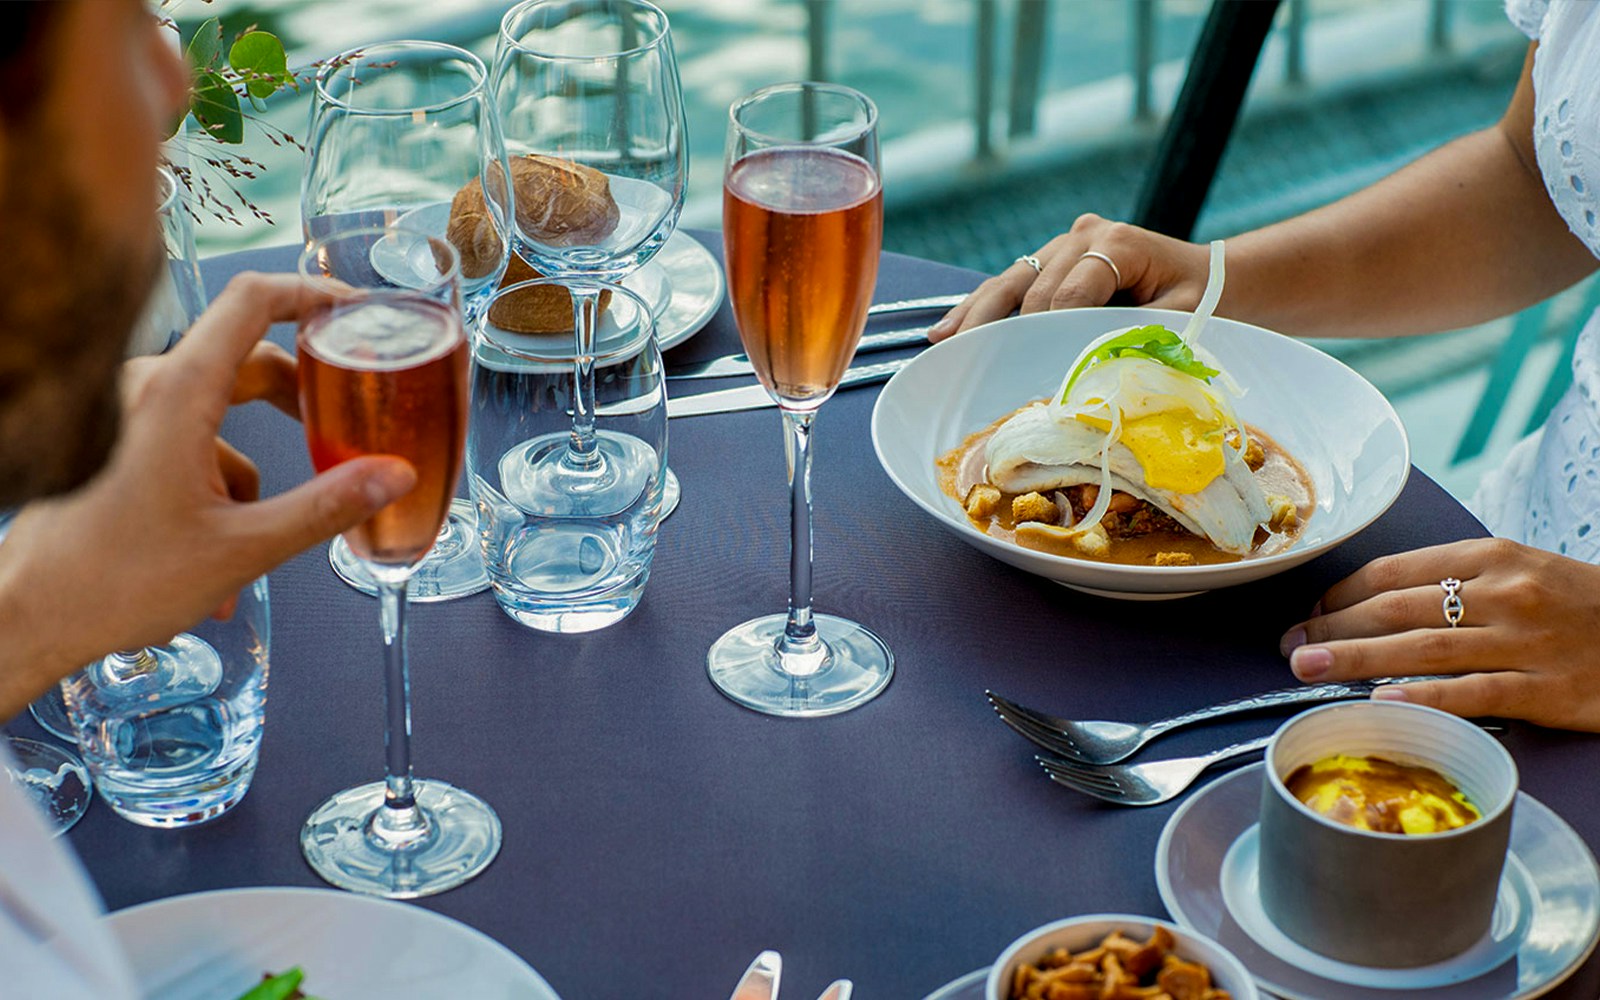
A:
(24, 49)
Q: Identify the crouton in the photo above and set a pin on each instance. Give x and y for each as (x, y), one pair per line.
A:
(1254, 456)
(982, 501)
(1034, 507)
(1285, 515)
(1094, 542)
(1174, 559)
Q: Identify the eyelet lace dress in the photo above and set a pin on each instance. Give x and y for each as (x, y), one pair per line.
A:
(1548, 491)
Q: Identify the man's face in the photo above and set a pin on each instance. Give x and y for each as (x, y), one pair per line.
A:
(77, 204)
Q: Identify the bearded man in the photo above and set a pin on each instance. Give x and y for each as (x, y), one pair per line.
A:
(139, 520)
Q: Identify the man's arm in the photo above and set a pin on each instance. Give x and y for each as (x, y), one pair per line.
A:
(170, 530)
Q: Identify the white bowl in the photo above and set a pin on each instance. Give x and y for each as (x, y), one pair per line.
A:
(1331, 420)
(1080, 933)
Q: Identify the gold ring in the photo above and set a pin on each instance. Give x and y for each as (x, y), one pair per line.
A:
(1107, 261)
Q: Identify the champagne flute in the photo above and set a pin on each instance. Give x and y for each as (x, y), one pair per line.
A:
(397, 130)
(592, 84)
(802, 223)
(383, 371)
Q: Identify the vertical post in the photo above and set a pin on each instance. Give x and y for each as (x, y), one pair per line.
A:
(1439, 26)
(1027, 65)
(1294, 62)
(988, 14)
(1144, 56)
(817, 40)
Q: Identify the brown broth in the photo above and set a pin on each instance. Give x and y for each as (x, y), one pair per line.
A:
(963, 467)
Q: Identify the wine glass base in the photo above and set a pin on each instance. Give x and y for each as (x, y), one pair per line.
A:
(54, 778)
(671, 493)
(465, 838)
(744, 665)
(452, 568)
(49, 710)
(538, 477)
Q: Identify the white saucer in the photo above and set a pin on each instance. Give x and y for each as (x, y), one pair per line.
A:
(1546, 922)
(968, 987)
(682, 285)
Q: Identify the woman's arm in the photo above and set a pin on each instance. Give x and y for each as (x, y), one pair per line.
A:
(1465, 234)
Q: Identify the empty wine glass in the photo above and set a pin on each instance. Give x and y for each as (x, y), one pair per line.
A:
(589, 90)
(404, 131)
(383, 371)
(803, 228)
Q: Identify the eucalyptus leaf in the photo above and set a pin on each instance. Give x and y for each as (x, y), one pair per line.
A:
(205, 46)
(216, 108)
(258, 57)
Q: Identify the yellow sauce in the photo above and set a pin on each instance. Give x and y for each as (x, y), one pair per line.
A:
(1371, 793)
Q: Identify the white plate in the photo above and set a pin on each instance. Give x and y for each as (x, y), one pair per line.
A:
(216, 945)
(1553, 877)
(1341, 430)
(683, 284)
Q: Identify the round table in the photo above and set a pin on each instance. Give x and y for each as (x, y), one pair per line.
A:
(658, 836)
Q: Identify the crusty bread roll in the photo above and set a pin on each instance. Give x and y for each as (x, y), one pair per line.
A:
(546, 309)
(558, 202)
(561, 202)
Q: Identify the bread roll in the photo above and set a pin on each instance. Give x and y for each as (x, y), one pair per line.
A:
(558, 202)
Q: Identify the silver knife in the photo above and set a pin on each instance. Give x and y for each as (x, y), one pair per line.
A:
(739, 364)
(912, 305)
(760, 981)
(755, 397)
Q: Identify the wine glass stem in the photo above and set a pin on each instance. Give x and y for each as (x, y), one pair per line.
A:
(801, 651)
(583, 451)
(399, 818)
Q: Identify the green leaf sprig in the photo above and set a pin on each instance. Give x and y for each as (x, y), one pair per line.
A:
(1155, 343)
(256, 68)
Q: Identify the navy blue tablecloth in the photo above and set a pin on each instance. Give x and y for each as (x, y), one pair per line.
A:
(657, 836)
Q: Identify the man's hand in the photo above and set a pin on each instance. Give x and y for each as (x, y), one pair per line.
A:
(1524, 648)
(1156, 271)
(171, 530)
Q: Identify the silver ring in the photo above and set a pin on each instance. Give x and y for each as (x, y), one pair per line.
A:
(1107, 261)
(1453, 608)
(1032, 261)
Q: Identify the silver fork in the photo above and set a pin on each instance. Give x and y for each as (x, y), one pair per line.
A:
(1142, 784)
(1099, 742)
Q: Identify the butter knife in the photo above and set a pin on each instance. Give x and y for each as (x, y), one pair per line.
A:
(755, 397)
(760, 981)
(912, 305)
(739, 364)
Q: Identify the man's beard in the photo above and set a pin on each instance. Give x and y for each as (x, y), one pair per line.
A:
(68, 300)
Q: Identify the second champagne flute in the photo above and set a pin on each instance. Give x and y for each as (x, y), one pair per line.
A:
(383, 371)
(802, 224)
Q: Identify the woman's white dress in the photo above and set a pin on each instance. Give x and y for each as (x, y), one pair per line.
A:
(1548, 491)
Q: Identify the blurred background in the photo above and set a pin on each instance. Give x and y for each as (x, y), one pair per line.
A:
(1005, 119)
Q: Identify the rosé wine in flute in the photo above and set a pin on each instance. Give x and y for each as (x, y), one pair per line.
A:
(389, 377)
(802, 227)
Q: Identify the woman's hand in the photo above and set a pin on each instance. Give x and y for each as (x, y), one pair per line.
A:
(1155, 270)
(1525, 647)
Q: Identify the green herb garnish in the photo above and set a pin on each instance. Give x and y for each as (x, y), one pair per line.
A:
(1155, 343)
(279, 987)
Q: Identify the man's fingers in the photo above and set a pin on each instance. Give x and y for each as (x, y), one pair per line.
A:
(224, 335)
(334, 501)
(1501, 692)
(1419, 568)
(269, 374)
(239, 475)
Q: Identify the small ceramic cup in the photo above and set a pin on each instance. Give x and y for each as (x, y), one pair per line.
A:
(1082, 933)
(1387, 900)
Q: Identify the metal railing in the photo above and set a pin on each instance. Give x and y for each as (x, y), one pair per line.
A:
(1028, 61)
